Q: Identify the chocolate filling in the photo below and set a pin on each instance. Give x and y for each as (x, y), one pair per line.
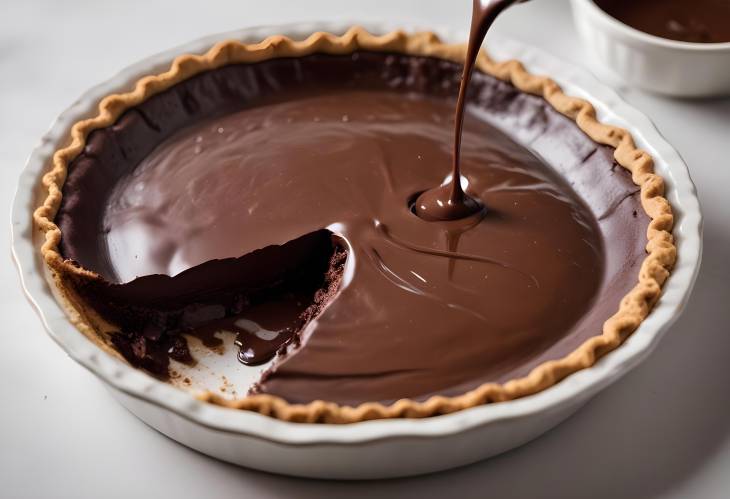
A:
(230, 201)
(697, 21)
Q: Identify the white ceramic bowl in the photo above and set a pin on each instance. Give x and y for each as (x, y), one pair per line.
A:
(375, 449)
(668, 67)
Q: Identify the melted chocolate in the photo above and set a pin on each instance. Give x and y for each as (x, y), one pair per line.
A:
(698, 21)
(239, 184)
(268, 322)
(449, 201)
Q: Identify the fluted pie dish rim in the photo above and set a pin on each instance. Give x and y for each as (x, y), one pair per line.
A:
(634, 307)
(640, 300)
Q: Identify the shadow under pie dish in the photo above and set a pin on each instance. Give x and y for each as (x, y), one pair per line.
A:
(280, 175)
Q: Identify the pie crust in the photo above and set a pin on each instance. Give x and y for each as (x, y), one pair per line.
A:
(634, 307)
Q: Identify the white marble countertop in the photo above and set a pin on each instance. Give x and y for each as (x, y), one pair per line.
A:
(663, 431)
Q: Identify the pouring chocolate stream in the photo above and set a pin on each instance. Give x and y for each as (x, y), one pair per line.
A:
(449, 201)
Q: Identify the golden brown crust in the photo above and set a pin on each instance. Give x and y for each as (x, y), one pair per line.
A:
(634, 307)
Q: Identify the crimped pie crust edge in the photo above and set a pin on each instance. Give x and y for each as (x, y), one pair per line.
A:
(633, 309)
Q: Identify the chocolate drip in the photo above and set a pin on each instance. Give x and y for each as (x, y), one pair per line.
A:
(449, 201)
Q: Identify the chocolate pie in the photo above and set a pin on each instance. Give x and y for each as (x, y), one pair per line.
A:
(271, 190)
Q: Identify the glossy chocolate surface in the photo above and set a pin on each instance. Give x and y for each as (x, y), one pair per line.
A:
(246, 180)
(697, 21)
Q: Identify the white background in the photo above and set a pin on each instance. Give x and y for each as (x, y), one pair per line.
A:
(663, 431)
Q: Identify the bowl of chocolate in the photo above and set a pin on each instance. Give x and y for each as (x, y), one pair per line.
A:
(672, 47)
(282, 246)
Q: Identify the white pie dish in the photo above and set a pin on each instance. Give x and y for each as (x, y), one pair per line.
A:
(380, 448)
(668, 67)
